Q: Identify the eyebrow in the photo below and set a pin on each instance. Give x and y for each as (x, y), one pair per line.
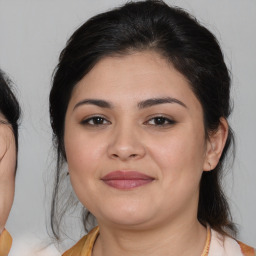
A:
(141, 105)
(157, 101)
(96, 102)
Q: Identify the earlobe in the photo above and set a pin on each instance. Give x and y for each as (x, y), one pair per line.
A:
(215, 145)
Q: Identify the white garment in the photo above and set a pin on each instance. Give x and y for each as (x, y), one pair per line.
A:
(223, 245)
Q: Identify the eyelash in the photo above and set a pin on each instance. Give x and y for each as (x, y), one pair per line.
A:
(95, 119)
(100, 121)
(164, 121)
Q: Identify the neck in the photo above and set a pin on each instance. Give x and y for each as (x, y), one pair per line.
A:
(185, 238)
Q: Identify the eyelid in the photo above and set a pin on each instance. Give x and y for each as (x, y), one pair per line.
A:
(85, 120)
(170, 120)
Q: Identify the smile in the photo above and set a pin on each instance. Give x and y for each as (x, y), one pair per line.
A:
(126, 179)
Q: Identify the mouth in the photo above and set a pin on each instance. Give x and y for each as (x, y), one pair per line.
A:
(126, 179)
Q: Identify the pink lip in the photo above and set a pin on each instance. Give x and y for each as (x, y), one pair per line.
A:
(126, 179)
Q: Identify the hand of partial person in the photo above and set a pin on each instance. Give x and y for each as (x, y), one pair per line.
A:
(7, 171)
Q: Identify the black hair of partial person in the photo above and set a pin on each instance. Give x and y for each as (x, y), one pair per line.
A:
(9, 105)
(181, 40)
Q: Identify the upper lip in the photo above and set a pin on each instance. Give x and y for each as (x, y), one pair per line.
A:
(126, 175)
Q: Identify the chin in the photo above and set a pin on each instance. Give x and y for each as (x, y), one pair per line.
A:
(123, 216)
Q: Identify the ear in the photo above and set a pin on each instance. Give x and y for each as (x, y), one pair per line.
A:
(215, 145)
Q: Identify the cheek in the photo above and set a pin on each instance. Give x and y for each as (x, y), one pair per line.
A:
(181, 155)
(83, 154)
(180, 158)
(83, 159)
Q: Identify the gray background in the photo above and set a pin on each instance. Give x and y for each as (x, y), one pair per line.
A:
(32, 34)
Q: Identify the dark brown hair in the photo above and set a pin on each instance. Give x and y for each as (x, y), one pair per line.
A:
(179, 37)
(9, 105)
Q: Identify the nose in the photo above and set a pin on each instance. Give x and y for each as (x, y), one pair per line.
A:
(125, 144)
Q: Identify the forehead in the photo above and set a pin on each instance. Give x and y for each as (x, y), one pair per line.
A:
(134, 77)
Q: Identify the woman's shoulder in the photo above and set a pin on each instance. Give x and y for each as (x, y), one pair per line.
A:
(246, 249)
(5, 243)
(225, 245)
(84, 245)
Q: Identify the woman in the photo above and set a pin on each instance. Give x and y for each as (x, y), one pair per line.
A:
(9, 116)
(139, 108)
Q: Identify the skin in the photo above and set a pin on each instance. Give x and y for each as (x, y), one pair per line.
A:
(174, 152)
(7, 170)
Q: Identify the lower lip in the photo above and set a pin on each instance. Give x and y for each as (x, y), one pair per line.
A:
(127, 184)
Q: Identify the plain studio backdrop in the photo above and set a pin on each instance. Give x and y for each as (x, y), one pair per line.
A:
(32, 34)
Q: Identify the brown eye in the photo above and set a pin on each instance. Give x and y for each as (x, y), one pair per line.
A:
(160, 121)
(95, 121)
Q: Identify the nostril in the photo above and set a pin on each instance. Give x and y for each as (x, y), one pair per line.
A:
(117, 156)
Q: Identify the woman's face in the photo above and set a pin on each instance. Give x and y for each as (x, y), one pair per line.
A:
(7, 170)
(135, 142)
